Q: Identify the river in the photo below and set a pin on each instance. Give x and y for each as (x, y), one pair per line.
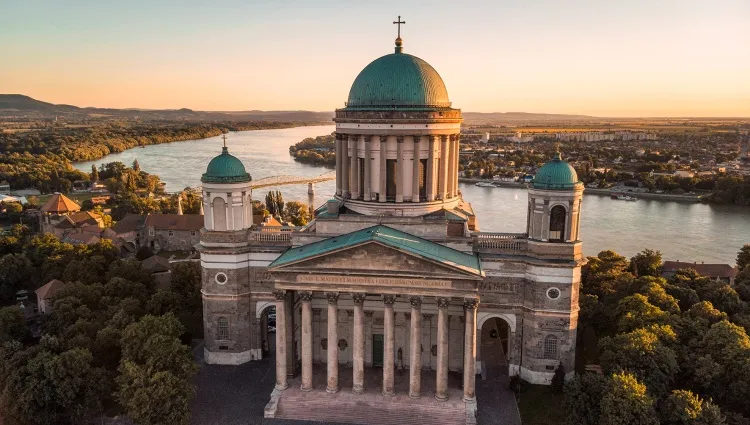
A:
(681, 231)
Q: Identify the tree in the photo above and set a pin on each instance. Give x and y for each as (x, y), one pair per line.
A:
(682, 407)
(627, 403)
(635, 312)
(186, 284)
(743, 257)
(16, 269)
(297, 213)
(647, 263)
(136, 166)
(583, 395)
(12, 324)
(155, 372)
(94, 173)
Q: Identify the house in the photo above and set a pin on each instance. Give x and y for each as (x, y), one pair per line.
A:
(684, 174)
(171, 232)
(45, 294)
(721, 272)
(160, 270)
(77, 227)
(126, 233)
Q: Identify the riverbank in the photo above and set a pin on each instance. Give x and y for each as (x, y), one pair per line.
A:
(606, 192)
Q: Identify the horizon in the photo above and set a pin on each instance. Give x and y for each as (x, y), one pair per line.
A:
(636, 60)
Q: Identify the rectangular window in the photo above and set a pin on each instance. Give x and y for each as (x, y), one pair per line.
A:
(171, 233)
(223, 331)
(192, 233)
(390, 182)
(151, 232)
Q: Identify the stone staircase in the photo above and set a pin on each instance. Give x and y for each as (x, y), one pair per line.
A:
(370, 409)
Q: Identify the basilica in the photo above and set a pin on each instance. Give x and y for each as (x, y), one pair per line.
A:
(392, 291)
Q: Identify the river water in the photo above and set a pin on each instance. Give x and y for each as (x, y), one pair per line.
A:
(681, 231)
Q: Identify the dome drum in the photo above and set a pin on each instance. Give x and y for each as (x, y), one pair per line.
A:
(399, 115)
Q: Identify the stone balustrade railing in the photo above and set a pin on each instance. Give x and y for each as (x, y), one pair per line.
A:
(499, 242)
(276, 235)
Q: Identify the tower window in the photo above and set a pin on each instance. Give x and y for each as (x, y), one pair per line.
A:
(223, 332)
(550, 347)
(557, 224)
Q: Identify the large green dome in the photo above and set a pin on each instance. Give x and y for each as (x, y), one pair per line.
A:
(225, 168)
(556, 175)
(398, 80)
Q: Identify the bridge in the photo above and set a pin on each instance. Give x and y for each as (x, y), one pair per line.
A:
(285, 180)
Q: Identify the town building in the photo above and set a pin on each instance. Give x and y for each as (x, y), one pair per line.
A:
(720, 272)
(45, 294)
(171, 232)
(394, 272)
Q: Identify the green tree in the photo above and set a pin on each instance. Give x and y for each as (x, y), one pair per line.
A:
(682, 407)
(94, 173)
(12, 324)
(635, 312)
(583, 396)
(16, 269)
(627, 403)
(297, 213)
(647, 263)
(743, 257)
(136, 166)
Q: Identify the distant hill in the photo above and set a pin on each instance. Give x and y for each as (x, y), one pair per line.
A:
(498, 118)
(18, 104)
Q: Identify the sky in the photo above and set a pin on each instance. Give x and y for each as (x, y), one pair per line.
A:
(603, 58)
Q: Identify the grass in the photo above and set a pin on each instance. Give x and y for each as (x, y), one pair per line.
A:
(539, 406)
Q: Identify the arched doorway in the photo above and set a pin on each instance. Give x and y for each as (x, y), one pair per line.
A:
(268, 331)
(495, 336)
(557, 224)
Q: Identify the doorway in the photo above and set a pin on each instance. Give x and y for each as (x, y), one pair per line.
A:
(495, 339)
(377, 350)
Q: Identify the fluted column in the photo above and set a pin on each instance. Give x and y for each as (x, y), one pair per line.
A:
(415, 348)
(441, 375)
(368, 167)
(451, 169)
(470, 348)
(400, 169)
(354, 168)
(443, 169)
(333, 342)
(358, 349)
(456, 147)
(383, 170)
(307, 355)
(345, 166)
(430, 183)
(388, 345)
(281, 383)
(339, 155)
(415, 171)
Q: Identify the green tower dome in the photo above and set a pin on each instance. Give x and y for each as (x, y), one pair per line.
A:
(225, 168)
(556, 175)
(398, 80)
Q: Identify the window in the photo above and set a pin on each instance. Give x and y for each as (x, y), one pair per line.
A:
(550, 347)
(553, 293)
(192, 233)
(557, 224)
(171, 233)
(221, 278)
(223, 333)
(151, 232)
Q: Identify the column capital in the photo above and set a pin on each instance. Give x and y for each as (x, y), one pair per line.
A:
(279, 294)
(359, 298)
(389, 299)
(383, 139)
(305, 295)
(399, 139)
(443, 302)
(415, 301)
(332, 297)
(471, 303)
(340, 136)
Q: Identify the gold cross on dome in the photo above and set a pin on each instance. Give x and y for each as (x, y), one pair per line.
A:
(399, 22)
(224, 136)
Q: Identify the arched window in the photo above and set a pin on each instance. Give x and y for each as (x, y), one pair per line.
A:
(557, 224)
(223, 333)
(550, 347)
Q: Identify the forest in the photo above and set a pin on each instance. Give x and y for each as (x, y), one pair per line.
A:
(320, 150)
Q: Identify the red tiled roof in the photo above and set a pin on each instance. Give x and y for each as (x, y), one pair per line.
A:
(129, 223)
(709, 270)
(175, 221)
(60, 203)
(49, 289)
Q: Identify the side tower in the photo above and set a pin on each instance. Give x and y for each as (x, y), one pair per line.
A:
(397, 140)
(228, 214)
(553, 278)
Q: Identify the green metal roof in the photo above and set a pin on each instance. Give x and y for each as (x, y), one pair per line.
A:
(556, 175)
(398, 80)
(225, 168)
(387, 236)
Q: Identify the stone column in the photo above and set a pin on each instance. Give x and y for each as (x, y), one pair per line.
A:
(443, 169)
(388, 345)
(430, 183)
(354, 168)
(307, 343)
(368, 167)
(470, 348)
(441, 386)
(358, 349)
(451, 169)
(400, 169)
(383, 170)
(456, 142)
(339, 155)
(345, 166)
(333, 342)
(415, 171)
(280, 296)
(415, 348)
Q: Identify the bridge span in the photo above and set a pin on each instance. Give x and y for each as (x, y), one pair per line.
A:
(285, 180)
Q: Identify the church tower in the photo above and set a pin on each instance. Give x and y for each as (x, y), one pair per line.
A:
(228, 214)
(397, 140)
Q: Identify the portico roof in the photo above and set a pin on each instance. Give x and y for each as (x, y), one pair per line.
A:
(387, 236)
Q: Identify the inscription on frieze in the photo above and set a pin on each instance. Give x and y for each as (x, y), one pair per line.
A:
(554, 324)
(374, 280)
(500, 287)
